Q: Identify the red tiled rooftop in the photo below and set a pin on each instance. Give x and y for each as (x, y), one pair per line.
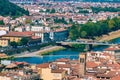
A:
(18, 63)
(64, 65)
(116, 78)
(57, 71)
(12, 65)
(19, 34)
(110, 49)
(2, 55)
(21, 63)
(91, 64)
(44, 65)
(35, 37)
(117, 66)
(62, 60)
(106, 54)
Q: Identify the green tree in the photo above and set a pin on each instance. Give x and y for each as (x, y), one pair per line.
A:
(28, 21)
(24, 41)
(9, 9)
(48, 10)
(83, 11)
(2, 22)
(83, 34)
(53, 10)
(116, 23)
(14, 44)
(74, 32)
(111, 24)
(70, 20)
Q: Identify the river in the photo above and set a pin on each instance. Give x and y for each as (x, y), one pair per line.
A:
(68, 53)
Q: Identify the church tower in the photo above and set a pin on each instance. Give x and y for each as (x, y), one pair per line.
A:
(82, 63)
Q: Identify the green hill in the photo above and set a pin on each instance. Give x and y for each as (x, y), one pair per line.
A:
(9, 9)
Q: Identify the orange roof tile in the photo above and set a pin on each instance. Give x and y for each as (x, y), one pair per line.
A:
(116, 78)
(20, 34)
(110, 49)
(44, 65)
(91, 64)
(62, 60)
(2, 55)
(64, 65)
(57, 71)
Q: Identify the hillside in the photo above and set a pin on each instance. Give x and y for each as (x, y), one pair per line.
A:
(9, 9)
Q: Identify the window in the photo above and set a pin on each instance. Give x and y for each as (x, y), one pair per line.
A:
(82, 60)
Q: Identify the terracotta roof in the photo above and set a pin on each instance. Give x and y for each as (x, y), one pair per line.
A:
(20, 34)
(3, 74)
(109, 74)
(110, 49)
(91, 64)
(35, 37)
(64, 65)
(62, 60)
(106, 54)
(57, 71)
(44, 65)
(21, 63)
(12, 65)
(115, 65)
(116, 78)
(2, 55)
(18, 63)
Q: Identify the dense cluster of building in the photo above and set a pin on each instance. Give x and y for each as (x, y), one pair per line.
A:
(50, 21)
(93, 65)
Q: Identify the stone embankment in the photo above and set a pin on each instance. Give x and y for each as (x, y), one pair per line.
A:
(110, 36)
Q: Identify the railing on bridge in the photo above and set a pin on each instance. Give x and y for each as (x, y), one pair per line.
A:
(86, 42)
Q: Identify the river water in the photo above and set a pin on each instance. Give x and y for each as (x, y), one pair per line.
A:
(68, 53)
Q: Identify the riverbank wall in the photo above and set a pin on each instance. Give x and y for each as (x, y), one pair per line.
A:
(44, 51)
(110, 36)
(50, 50)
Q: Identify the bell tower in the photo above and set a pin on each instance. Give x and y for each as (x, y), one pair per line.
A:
(82, 64)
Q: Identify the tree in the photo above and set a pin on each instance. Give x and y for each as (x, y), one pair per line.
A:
(48, 10)
(83, 34)
(70, 20)
(111, 24)
(74, 32)
(9, 9)
(116, 23)
(28, 21)
(2, 22)
(14, 44)
(83, 11)
(24, 41)
(53, 10)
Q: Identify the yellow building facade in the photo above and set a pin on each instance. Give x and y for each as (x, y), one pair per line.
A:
(12, 38)
(48, 74)
(4, 42)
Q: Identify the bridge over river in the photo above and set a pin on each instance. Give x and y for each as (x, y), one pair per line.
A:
(93, 43)
(89, 44)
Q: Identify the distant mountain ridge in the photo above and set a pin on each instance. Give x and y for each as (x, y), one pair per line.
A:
(9, 9)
